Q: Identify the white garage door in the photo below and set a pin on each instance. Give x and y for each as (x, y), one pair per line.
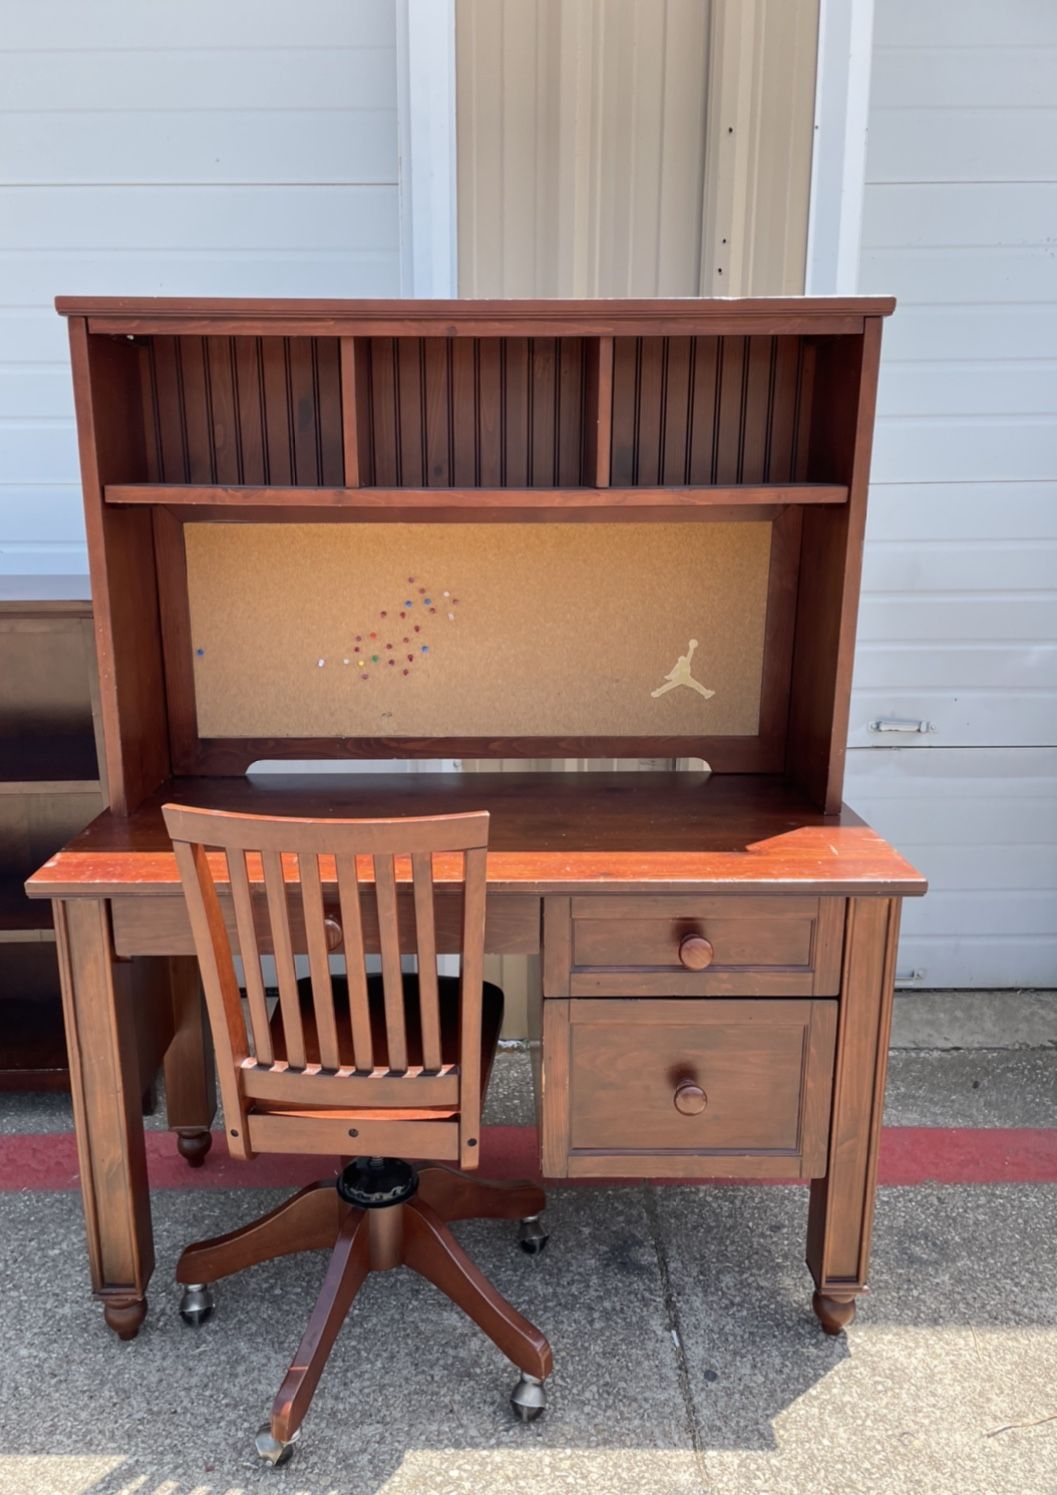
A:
(240, 148)
(959, 616)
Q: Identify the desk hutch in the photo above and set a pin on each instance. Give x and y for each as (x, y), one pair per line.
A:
(396, 529)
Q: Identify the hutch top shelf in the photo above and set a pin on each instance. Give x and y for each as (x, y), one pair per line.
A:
(591, 409)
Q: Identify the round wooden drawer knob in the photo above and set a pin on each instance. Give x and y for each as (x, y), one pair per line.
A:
(695, 952)
(333, 932)
(689, 1098)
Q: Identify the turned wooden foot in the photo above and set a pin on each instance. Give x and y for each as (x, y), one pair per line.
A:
(834, 1314)
(124, 1316)
(193, 1147)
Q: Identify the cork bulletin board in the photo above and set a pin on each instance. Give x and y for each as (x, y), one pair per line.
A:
(465, 630)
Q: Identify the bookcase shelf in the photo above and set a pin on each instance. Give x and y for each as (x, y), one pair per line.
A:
(376, 503)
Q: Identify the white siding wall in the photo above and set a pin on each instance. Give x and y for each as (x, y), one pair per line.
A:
(240, 148)
(959, 615)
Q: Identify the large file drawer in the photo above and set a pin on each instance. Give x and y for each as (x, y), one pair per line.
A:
(651, 1088)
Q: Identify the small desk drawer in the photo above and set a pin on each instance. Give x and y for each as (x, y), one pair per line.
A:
(160, 925)
(688, 946)
(650, 1088)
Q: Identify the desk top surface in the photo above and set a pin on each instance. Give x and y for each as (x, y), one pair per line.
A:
(550, 832)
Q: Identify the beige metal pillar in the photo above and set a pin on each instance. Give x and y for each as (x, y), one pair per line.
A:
(630, 148)
(761, 102)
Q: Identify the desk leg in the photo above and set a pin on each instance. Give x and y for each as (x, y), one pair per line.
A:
(97, 997)
(190, 1072)
(840, 1219)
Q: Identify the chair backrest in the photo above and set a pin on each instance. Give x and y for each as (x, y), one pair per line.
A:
(320, 879)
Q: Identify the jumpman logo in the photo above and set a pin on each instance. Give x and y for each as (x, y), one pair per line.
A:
(681, 674)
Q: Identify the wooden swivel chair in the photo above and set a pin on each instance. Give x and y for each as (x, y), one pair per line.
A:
(397, 1062)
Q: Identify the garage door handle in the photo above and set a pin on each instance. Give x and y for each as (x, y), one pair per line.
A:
(900, 724)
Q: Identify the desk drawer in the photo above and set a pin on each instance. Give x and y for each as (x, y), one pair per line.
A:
(649, 1088)
(688, 946)
(159, 925)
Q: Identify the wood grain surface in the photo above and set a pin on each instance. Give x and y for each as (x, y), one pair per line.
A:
(550, 833)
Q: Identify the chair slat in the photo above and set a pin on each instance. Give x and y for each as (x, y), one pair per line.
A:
(392, 974)
(217, 968)
(282, 948)
(426, 944)
(241, 897)
(352, 938)
(471, 1002)
(319, 960)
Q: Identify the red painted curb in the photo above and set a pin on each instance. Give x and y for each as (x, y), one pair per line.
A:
(909, 1156)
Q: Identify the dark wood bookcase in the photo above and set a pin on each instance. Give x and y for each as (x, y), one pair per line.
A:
(49, 788)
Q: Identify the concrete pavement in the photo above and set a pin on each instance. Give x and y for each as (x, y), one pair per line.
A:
(687, 1357)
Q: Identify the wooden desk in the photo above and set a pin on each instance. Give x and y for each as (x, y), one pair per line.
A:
(604, 876)
(538, 529)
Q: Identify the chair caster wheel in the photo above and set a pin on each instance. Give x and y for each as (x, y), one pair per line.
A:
(196, 1304)
(528, 1398)
(271, 1450)
(531, 1235)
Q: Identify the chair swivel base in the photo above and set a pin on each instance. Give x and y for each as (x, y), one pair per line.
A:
(377, 1183)
(401, 1219)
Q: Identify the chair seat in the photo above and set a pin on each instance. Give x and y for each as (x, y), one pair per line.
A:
(448, 994)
